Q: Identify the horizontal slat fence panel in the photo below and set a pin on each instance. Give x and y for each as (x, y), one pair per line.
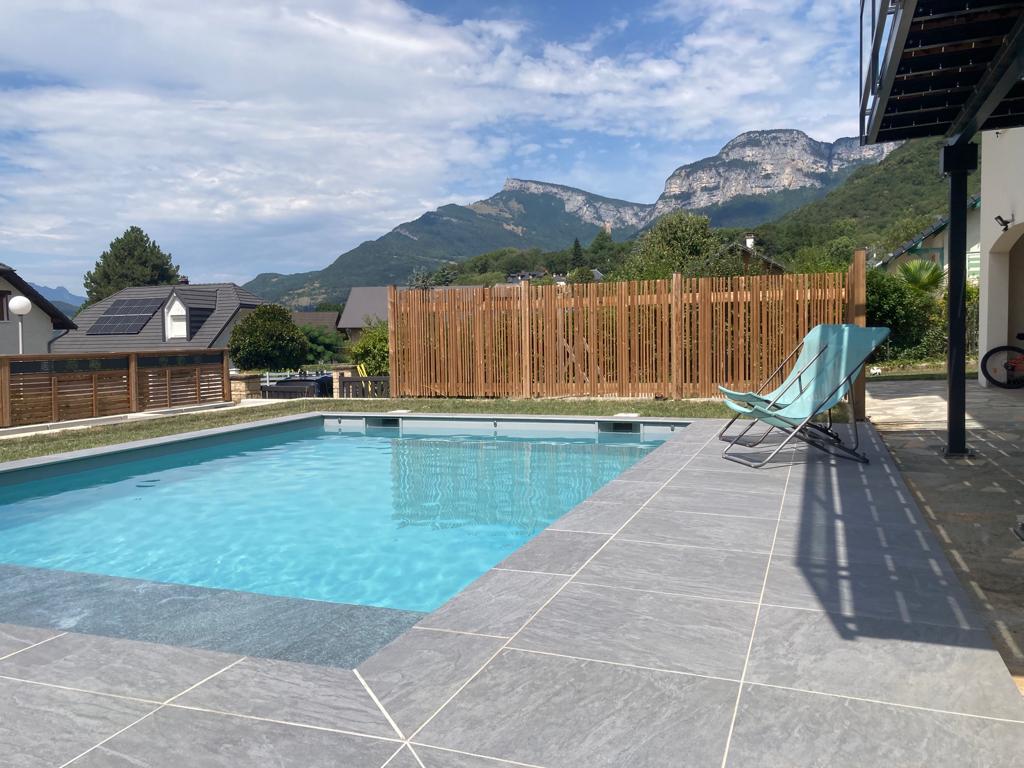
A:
(670, 338)
(38, 389)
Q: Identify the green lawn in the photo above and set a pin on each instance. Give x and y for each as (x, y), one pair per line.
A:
(29, 446)
(920, 375)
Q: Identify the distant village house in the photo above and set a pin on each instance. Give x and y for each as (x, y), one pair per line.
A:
(39, 326)
(154, 317)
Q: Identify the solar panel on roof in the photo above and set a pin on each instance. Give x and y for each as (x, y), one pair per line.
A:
(124, 317)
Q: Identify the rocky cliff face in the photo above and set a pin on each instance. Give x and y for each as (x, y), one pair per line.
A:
(762, 163)
(585, 206)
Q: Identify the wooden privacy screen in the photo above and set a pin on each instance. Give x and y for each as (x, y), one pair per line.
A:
(37, 389)
(673, 338)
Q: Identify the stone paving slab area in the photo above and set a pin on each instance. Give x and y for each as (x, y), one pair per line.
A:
(972, 503)
(694, 612)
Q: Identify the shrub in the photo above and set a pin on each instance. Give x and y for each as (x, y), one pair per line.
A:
(371, 348)
(580, 275)
(267, 339)
(906, 311)
(922, 274)
(324, 346)
(934, 344)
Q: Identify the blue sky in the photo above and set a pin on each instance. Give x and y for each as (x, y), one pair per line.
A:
(247, 135)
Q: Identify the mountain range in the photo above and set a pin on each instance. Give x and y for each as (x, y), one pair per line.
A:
(61, 297)
(756, 177)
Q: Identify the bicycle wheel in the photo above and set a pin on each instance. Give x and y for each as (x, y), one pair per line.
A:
(1004, 367)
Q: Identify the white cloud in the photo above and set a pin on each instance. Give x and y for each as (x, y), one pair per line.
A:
(265, 135)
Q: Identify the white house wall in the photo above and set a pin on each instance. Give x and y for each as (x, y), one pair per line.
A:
(1015, 310)
(1002, 253)
(38, 328)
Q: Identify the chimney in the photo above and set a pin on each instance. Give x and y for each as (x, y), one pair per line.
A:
(182, 280)
(748, 240)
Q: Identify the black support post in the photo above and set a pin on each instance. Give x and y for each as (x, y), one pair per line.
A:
(957, 161)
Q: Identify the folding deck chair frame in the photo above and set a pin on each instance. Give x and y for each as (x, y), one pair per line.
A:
(742, 402)
(800, 429)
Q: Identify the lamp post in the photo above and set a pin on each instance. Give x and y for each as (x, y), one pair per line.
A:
(20, 306)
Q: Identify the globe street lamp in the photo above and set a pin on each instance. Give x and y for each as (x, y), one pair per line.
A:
(20, 306)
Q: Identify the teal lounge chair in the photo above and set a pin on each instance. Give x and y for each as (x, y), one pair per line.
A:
(820, 386)
(808, 351)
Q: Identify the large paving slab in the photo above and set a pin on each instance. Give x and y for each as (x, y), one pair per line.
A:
(42, 726)
(149, 671)
(581, 714)
(323, 697)
(778, 728)
(173, 738)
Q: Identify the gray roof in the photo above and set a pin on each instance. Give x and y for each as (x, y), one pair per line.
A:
(58, 318)
(364, 302)
(224, 299)
(326, 320)
(940, 224)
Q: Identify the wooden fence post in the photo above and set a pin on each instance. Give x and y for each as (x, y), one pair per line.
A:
(676, 336)
(393, 365)
(225, 372)
(54, 399)
(857, 314)
(704, 323)
(5, 392)
(524, 322)
(133, 383)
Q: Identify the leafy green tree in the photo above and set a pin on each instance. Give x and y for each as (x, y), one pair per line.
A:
(816, 258)
(371, 348)
(904, 229)
(444, 275)
(324, 346)
(580, 275)
(132, 259)
(577, 259)
(904, 310)
(267, 339)
(420, 278)
(601, 246)
(684, 243)
(922, 274)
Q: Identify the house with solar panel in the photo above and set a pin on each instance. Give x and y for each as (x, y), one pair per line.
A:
(155, 317)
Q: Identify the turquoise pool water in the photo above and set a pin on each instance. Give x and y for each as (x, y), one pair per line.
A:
(385, 521)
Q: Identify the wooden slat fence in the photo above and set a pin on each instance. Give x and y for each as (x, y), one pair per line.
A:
(672, 338)
(38, 389)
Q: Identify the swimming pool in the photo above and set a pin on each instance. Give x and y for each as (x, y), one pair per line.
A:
(307, 510)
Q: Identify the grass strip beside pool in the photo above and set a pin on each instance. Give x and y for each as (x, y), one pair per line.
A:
(43, 444)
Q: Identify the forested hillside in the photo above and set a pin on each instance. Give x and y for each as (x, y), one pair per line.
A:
(878, 206)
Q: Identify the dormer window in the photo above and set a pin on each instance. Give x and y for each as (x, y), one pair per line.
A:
(175, 319)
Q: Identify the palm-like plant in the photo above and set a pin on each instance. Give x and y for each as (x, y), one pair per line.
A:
(922, 274)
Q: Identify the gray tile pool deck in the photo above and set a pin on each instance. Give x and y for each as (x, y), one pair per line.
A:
(693, 612)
